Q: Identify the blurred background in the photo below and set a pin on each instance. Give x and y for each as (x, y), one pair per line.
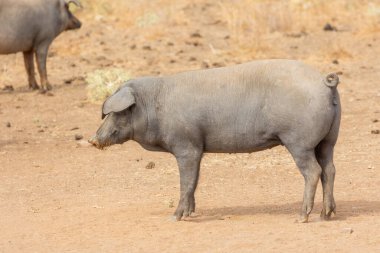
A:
(134, 38)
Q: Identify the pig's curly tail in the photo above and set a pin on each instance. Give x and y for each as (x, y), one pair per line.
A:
(331, 80)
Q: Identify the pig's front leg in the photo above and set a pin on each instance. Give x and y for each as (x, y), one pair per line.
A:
(188, 164)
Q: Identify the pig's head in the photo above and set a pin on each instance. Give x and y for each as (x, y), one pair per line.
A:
(117, 127)
(68, 20)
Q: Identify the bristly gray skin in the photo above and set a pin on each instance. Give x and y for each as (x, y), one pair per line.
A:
(244, 108)
(30, 26)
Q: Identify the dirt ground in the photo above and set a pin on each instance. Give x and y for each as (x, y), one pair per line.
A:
(58, 194)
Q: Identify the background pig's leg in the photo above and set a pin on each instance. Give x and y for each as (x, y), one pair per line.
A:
(29, 66)
(41, 55)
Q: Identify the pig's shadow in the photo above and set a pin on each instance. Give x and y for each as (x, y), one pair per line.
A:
(25, 88)
(345, 209)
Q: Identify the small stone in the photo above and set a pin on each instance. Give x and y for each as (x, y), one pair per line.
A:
(147, 48)
(370, 167)
(348, 230)
(78, 137)
(192, 59)
(218, 64)
(335, 61)
(196, 43)
(329, 28)
(375, 120)
(205, 65)
(41, 131)
(196, 35)
(150, 165)
(74, 128)
(69, 80)
(8, 124)
(376, 131)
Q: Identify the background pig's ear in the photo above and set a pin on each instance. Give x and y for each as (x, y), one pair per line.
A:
(119, 101)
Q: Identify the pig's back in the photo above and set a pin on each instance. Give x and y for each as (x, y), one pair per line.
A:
(245, 107)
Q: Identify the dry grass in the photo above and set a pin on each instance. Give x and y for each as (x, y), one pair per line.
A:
(255, 27)
(152, 19)
(241, 17)
(251, 22)
(103, 82)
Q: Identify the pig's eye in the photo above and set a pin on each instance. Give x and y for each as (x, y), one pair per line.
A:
(114, 132)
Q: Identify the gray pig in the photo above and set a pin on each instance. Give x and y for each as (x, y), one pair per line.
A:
(243, 108)
(30, 26)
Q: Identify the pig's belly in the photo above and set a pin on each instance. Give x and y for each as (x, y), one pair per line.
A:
(239, 143)
(11, 45)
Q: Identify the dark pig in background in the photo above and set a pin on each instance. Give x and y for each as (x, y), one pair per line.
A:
(30, 26)
(243, 108)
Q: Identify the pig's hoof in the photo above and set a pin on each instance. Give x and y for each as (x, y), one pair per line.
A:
(303, 219)
(34, 87)
(178, 215)
(326, 214)
(49, 87)
(42, 91)
(173, 218)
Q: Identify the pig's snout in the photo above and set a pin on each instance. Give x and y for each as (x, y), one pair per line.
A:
(94, 141)
(74, 24)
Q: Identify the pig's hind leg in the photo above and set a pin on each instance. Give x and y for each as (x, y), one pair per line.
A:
(311, 171)
(324, 154)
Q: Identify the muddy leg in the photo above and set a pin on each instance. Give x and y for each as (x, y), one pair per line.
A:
(324, 155)
(29, 66)
(188, 164)
(311, 171)
(41, 55)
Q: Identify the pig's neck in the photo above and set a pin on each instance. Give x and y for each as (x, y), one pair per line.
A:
(145, 125)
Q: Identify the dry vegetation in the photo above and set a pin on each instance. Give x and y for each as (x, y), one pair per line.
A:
(249, 29)
(103, 82)
(247, 21)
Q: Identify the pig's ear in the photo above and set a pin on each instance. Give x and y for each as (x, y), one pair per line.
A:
(119, 101)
